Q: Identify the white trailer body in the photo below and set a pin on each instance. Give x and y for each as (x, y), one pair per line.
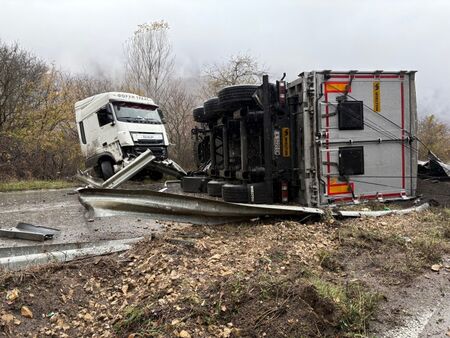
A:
(355, 135)
(115, 127)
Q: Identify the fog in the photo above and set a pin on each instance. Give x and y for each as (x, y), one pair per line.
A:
(285, 36)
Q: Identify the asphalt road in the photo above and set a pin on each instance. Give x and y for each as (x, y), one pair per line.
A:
(422, 308)
(60, 209)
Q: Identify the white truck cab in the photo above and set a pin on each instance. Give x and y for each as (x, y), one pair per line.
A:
(116, 127)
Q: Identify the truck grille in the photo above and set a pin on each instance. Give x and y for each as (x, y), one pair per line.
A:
(154, 142)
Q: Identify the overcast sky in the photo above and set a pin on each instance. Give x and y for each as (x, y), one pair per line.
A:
(287, 36)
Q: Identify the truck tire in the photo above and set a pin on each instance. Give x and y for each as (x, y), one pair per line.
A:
(214, 188)
(194, 184)
(235, 193)
(107, 169)
(199, 115)
(254, 193)
(239, 96)
(155, 175)
(212, 109)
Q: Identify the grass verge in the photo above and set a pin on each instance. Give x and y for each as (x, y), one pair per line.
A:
(34, 185)
(357, 305)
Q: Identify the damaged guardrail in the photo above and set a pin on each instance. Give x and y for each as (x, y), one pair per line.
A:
(173, 207)
(181, 208)
(146, 159)
(16, 258)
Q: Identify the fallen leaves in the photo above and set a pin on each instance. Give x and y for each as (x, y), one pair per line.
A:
(12, 295)
(7, 318)
(88, 317)
(26, 312)
(184, 334)
(436, 267)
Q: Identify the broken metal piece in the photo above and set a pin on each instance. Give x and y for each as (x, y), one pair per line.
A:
(88, 179)
(19, 234)
(30, 232)
(356, 213)
(36, 228)
(434, 168)
(168, 167)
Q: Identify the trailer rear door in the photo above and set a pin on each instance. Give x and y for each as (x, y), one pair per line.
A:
(367, 124)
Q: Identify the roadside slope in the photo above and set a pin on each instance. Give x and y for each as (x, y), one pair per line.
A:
(280, 279)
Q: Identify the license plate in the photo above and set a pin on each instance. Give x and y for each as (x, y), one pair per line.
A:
(149, 137)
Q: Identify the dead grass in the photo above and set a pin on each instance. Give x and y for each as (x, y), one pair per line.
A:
(330, 260)
(34, 185)
(398, 247)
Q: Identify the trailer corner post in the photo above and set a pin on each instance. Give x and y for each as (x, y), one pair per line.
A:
(268, 138)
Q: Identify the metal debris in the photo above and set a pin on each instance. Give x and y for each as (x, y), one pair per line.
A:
(30, 232)
(356, 213)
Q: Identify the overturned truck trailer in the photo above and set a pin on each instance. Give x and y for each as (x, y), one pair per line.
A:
(327, 137)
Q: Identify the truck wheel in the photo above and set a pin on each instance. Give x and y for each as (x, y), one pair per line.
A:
(212, 109)
(235, 193)
(235, 97)
(107, 169)
(194, 183)
(199, 115)
(155, 175)
(214, 188)
(245, 193)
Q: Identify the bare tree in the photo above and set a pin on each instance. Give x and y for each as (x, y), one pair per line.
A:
(178, 108)
(238, 69)
(149, 60)
(150, 72)
(84, 85)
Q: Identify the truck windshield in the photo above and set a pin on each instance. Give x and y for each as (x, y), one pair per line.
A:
(135, 112)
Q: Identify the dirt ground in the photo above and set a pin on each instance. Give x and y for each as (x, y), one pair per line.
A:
(279, 279)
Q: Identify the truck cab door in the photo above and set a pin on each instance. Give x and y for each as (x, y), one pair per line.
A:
(107, 136)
